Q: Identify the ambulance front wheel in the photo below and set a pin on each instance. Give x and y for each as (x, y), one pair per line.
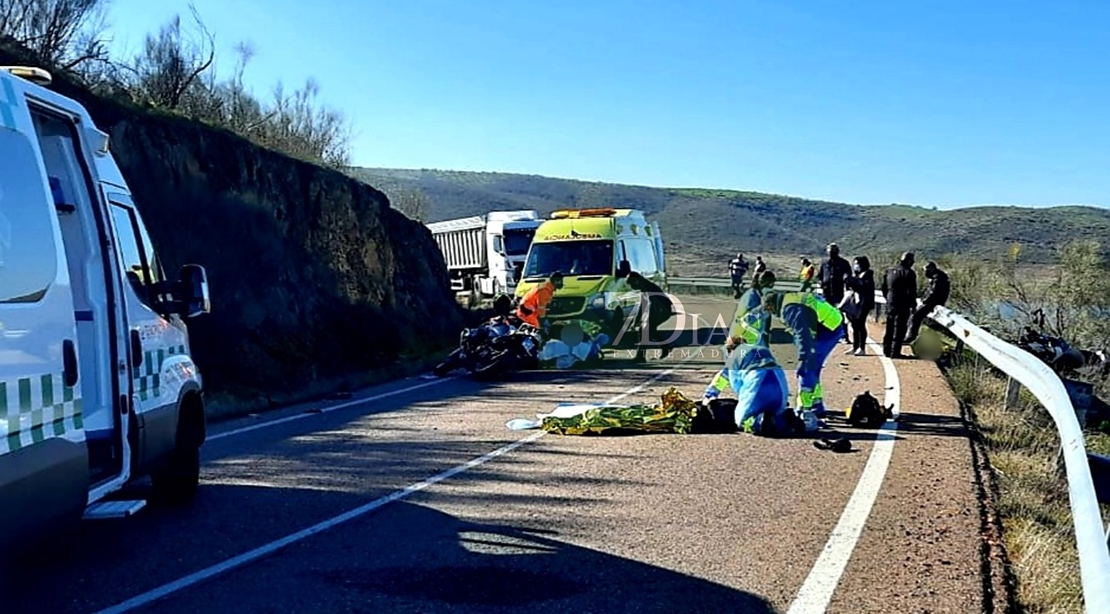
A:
(176, 481)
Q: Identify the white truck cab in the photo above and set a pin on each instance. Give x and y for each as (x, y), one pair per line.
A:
(510, 235)
(97, 385)
(485, 254)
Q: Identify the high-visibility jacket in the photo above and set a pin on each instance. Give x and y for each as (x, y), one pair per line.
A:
(808, 275)
(807, 316)
(827, 314)
(750, 324)
(534, 304)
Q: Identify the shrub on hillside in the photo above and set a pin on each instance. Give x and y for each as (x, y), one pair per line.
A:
(175, 71)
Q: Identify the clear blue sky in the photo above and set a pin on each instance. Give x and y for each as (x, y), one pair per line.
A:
(938, 104)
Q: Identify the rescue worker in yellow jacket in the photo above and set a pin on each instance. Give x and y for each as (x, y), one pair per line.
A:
(817, 326)
(751, 326)
(807, 275)
(534, 304)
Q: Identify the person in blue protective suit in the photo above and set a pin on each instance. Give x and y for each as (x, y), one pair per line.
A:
(817, 326)
(751, 326)
(762, 394)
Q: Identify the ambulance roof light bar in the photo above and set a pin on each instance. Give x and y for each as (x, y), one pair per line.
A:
(563, 214)
(33, 74)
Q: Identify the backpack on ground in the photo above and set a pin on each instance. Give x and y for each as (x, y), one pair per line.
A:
(716, 416)
(867, 412)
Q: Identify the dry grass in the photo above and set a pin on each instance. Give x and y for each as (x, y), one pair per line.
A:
(1023, 449)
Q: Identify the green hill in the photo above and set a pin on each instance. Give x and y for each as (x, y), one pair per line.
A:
(708, 225)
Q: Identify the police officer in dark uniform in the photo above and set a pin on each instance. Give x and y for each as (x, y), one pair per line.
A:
(900, 290)
(937, 292)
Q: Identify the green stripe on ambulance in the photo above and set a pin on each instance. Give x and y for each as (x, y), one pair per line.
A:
(35, 409)
(148, 383)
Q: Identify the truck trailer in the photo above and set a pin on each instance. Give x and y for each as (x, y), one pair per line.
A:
(485, 254)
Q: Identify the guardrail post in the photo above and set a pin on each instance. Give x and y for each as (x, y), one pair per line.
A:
(1013, 388)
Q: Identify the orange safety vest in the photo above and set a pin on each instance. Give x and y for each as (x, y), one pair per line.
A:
(534, 305)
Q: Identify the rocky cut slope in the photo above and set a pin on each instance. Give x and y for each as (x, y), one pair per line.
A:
(314, 279)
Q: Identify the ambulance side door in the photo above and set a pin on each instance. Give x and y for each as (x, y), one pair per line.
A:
(43, 458)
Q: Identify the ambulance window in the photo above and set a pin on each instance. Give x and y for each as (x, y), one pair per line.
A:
(135, 261)
(643, 258)
(28, 253)
(154, 264)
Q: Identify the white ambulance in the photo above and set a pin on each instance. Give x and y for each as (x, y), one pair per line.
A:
(97, 386)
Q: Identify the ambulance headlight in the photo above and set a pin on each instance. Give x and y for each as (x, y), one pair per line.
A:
(597, 301)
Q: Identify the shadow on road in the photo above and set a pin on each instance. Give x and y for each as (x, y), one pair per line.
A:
(405, 557)
(466, 566)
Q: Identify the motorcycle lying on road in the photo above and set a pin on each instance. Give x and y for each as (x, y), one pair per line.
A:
(500, 345)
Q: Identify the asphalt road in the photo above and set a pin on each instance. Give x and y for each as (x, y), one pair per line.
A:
(415, 497)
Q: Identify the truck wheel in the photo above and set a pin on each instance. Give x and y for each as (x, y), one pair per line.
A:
(176, 481)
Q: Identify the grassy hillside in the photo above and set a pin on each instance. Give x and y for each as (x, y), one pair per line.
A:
(710, 224)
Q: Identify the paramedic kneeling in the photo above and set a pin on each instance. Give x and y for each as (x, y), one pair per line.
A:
(818, 327)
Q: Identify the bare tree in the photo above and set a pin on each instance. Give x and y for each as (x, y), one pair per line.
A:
(63, 34)
(175, 69)
(170, 67)
(298, 127)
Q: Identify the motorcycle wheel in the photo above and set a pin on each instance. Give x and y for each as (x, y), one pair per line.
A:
(448, 365)
(492, 367)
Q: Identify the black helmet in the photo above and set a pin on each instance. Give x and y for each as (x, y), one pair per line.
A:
(502, 305)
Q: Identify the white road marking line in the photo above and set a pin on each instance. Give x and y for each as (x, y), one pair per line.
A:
(329, 409)
(252, 555)
(823, 579)
(355, 402)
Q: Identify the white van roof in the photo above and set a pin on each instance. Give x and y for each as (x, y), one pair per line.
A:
(25, 80)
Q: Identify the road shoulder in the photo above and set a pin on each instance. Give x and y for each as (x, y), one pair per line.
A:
(926, 546)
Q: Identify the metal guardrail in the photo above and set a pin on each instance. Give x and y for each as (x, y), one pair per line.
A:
(719, 282)
(1091, 540)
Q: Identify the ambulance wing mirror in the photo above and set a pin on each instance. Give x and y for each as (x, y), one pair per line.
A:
(192, 292)
(624, 269)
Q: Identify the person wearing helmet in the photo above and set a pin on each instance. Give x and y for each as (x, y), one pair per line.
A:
(817, 326)
(750, 327)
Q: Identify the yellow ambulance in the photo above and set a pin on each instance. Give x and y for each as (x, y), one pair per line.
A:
(595, 249)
